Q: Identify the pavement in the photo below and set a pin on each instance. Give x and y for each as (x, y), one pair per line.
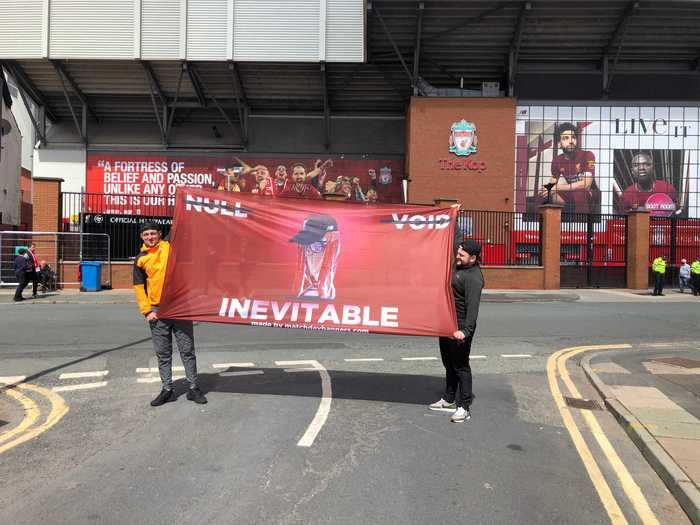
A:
(606, 295)
(654, 394)
(79, 418)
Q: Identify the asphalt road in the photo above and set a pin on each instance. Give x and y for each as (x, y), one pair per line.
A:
(379, 456)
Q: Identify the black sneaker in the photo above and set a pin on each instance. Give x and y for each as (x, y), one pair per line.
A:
(195, 394)
(162, 398)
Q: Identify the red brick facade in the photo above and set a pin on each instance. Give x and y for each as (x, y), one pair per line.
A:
(480, 181)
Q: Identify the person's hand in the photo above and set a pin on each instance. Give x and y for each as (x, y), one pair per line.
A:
(459, 335)
(152, 317)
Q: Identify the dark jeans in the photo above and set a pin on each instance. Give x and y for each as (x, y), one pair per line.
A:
(33, 277)
(22, 281)
(455, 358)
(658, 283)
(695, 283)
(162, 331)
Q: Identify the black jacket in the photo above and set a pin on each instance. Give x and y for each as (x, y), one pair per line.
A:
(21, 264)
(467, 284)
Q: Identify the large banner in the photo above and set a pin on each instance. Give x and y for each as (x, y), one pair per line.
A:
(310, 264)
(609, 159)
(145, 184)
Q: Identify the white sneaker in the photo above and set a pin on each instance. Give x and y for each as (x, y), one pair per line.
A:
(460, 415)
(443, 406)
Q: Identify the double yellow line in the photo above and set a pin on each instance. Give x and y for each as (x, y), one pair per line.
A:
(556, 366)
(27, 428)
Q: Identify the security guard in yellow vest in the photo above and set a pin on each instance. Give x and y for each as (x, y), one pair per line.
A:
(658, 267)
(695, 276)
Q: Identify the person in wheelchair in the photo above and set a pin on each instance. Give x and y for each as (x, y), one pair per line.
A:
(47, 278)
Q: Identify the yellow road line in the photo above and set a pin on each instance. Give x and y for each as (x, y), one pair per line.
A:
(31, 413)
(58, 410)
(601, 486)
(632, 490)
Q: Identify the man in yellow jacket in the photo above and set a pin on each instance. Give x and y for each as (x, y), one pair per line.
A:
(149, 274)
(658, 268)
(695, 276)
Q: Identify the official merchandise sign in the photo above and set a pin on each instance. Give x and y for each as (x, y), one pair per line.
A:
(314, 265)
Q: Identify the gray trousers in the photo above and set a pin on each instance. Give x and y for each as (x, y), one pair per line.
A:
(162, 331)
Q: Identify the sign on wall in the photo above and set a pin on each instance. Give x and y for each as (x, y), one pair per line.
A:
(146, 184)
(310, 264)
(609, 159)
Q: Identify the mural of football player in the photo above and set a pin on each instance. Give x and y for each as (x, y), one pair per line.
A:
(319, 248)
(573, 172)
(264, 184)
(657, 196)
(317, 176)
(231, 178)
(299, 185)
(280, 177)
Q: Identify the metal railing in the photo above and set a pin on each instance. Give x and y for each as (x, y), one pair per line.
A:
(507, 238)
(118, 216)
(62, 251)
(676, 239)
(593, 250)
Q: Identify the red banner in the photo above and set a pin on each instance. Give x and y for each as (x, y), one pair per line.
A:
(310, 264)
(145, 184)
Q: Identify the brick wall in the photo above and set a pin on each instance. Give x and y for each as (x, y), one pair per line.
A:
(513, 277)
(480, 181)
(120, 278)
(46, 205)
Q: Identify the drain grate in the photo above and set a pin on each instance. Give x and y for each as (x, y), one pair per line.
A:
(583, 404)
(679, 361)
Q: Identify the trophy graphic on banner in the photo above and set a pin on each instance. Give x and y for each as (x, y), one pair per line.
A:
(319, 248)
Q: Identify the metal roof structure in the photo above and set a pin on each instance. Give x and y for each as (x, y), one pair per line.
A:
(588, 49)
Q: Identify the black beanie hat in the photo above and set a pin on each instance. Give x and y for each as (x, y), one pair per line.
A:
(471, 247)
(149, 225)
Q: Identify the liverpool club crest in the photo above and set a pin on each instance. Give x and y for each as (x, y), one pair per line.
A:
(385, 175)
(463, 139)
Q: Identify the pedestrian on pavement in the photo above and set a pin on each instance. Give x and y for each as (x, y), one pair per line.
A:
(149, 274)
(695, 276)
(33, 269)
(21, 264)
(658, 268)
(684, 275)
(467, 283)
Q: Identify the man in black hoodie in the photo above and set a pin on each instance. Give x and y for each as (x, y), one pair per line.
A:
(467, 283)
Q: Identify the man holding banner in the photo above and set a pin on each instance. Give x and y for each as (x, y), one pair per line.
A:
(149, 275)
(467, 283)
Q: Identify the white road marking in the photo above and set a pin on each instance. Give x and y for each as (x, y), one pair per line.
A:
(477, 357)
(242, 373)
(659, 345)
(233, 365)
(516, 355)
(81, 375)
(147, 379)
(363, 359)
(12, 380)
(83, 386)
(155, 369)
(419, 359)
(323, 408)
